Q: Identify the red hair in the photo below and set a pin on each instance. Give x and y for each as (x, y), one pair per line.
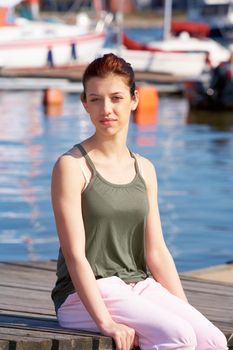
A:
(109, 64)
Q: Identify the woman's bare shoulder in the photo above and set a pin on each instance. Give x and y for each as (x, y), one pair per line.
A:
(148, 172)
(146, 164)
(68, 159)
(67, 166)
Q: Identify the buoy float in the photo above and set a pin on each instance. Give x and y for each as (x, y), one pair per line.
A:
(53, 110)
(53, 96)
(3, 16)
(53, 100)
(147, 109)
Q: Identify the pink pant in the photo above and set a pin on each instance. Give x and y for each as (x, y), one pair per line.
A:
(161, 320)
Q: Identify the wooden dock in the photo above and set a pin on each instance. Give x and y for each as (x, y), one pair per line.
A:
(27, 318)
(68, 78)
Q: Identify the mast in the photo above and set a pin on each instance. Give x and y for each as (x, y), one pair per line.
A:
(119, 25)
(167, 19)
(98, 8)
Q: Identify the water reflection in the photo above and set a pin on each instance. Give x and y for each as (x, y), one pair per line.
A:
(221, 120)
(21, 162)
(145, 136)
(53, 110)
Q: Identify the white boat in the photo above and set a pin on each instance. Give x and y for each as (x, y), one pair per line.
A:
(181, 56)
(34, 44)
(37, 44)
(164, 63)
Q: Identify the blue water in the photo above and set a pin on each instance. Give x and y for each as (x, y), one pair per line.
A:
(194, 166)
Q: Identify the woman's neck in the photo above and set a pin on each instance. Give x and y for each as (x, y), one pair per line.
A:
(114, 148)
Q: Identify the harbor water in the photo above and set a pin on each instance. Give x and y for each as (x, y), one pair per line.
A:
(194, 163)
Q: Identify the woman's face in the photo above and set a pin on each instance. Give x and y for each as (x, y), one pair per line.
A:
(109, 103)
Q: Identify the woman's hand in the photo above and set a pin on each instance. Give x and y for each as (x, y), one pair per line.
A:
(124, 336)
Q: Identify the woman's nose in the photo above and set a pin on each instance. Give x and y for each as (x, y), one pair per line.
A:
(107, 106)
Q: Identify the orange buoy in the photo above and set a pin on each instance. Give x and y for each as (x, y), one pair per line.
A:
(53, 97)
(147, 109)
(53, 110)
(53, 102)
(3, 16)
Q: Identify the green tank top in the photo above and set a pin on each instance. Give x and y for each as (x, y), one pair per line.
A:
(114, 218)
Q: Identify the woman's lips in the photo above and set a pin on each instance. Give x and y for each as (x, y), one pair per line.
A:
(107, 121)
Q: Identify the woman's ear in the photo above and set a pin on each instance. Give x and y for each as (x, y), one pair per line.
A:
(84, 100)
(135, 100)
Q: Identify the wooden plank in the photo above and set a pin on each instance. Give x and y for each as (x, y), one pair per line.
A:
(32, 322)
(207, 286)
(26, 328)
(217, 273)
(18, 310)
(40, 324)
(39, 265)
(25, 294)
(27, 300)
(51, 338)
(26, 343)
(10, 333)
(32, 286)
(75, 72)
(23, 284)
(27, 272)
(4, 345)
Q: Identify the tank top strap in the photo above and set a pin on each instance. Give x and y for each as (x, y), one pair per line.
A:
(86, 156)
(91, 164)
(136, 162)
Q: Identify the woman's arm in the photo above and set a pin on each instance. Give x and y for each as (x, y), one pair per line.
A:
(158, 257)
(66, 188)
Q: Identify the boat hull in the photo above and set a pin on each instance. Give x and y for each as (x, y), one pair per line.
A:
(184, 56)
(178, 64)
(202, 97)
(32, 47)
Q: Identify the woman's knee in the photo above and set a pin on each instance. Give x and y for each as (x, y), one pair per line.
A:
(213, 339)
(185, 336)
(178, 335)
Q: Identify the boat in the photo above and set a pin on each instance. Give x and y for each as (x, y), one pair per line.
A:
(220, 120)
(208, 18)
(214, 94)
(203, 97)
(165, 65)
(35, 44)
(180, 56)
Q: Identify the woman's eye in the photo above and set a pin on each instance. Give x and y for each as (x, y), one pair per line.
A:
(94, 99)
(117, 98)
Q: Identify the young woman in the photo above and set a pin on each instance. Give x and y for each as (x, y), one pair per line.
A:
(106, 211)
